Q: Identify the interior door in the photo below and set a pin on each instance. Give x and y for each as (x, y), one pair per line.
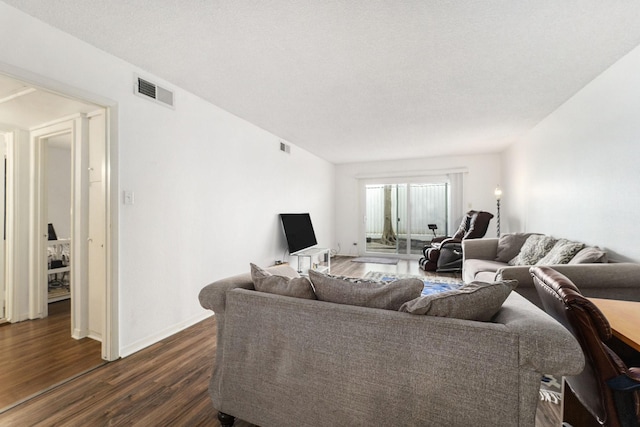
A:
(40, 218)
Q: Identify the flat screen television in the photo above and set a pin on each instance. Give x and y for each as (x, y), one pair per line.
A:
(298, 230)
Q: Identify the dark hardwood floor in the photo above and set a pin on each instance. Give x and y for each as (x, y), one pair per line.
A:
(39, 354)
(164, 384)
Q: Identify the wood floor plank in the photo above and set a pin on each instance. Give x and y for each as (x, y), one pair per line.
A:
(164, 384)
(39, 354)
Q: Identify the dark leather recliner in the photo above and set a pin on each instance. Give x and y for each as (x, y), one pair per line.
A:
(606, 388)
(445, 253)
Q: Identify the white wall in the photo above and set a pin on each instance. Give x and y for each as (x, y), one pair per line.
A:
(576, 174)
(59, 190)
(480, 180)
(208, 185)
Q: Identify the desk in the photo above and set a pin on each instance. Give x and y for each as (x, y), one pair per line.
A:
(624, 318)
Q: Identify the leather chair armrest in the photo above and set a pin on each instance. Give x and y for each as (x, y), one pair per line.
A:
(450, 242)
(439, 239)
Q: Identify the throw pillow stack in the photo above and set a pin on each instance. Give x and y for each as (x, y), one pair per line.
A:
(538, 249)
(474, 301)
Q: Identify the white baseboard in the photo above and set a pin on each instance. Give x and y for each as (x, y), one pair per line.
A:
(78, 334)
(95, 336)
(150, 340)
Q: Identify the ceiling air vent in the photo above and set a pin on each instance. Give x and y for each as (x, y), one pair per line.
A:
(146, 89)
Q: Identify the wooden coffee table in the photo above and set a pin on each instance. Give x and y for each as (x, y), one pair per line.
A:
(624, 318)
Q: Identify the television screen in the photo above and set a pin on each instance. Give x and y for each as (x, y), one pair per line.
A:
(298, 231)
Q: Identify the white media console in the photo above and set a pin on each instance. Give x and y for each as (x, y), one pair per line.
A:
(318, 259)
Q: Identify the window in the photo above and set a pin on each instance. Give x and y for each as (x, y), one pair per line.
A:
(397, 216)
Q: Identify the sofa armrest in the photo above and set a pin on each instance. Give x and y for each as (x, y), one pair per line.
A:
(613, 281)
(213, 296)
(544, 347)
(608, 275)
(585, 276)
(516, 272)
(480, 249)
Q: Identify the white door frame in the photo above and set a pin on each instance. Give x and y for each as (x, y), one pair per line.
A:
(38, 233)
(78, 127)
(3, 255)
(111, 341)
(16, 267)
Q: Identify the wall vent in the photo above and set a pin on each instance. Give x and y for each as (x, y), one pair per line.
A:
(146, 89)
(286, 148)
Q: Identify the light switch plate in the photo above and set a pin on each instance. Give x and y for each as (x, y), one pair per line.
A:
(128, 197)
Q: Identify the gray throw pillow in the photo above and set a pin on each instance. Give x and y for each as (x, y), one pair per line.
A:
(365, 293)
(561, 253)
(509, 246)
(298, 287)
(535, 247)
(590, 255)
(474, 301)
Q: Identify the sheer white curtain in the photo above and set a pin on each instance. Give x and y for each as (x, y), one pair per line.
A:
(456, 208)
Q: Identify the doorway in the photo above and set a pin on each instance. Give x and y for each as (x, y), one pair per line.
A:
(25, 109)
(58, 205)
(401, 218)
(86, 257)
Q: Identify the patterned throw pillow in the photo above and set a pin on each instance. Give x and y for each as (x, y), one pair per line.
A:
(364, 293)
(590, 254)
(509, 246)
(561, 253)
(297, 287)
(536, 247)
(474, 301)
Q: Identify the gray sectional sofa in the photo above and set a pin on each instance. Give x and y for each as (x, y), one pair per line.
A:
(287, 361)
(488, 260)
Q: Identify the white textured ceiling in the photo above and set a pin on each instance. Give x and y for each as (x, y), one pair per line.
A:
(359, 80)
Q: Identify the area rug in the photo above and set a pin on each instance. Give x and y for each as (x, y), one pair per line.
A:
(432, 285)
(374, 260)
(550, 390)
